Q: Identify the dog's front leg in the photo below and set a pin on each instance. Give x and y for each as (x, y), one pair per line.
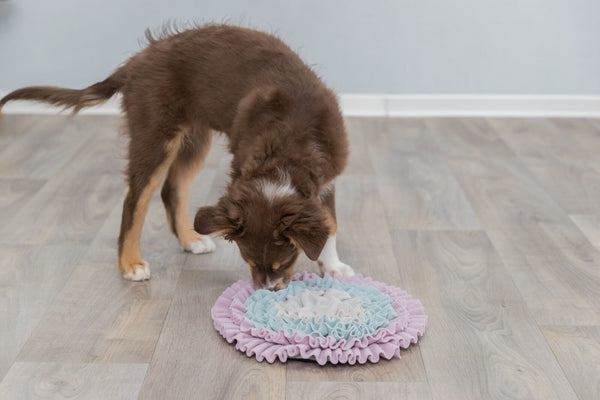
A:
(176, 189)
(329, 260)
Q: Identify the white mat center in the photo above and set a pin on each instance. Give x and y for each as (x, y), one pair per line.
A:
(331, 303)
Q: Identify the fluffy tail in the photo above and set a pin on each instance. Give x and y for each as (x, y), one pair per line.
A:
(96, 94)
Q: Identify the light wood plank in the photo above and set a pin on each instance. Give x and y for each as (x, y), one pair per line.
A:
(465, 137)
(536, 137)
(192, 359)
(16, 192)
(578, 352)
(583, 131)
(481, 341)
(13, 127)
(419, 192)
(30, 277)
(46, 147)
(556, 270)
(357, 391)
(595, 122)
(358, 161)
(75, 202)
(573, 184)
(402, 136)
(589, 225)
(416, 187)
(72, 381)
(551, 262)
(503, 194)
(100, 317)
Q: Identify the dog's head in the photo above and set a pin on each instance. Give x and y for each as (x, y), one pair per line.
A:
(271, 224)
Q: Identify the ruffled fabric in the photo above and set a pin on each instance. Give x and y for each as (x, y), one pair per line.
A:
(400, 330)
(263, 312)
(318, 304)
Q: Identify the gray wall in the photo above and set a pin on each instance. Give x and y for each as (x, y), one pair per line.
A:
(401, 46)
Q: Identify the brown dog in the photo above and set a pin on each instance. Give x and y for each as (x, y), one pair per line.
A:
(285, 130)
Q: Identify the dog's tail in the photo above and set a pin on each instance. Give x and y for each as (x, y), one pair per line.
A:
(96, 94)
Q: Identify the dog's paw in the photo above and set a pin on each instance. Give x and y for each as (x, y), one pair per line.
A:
(204, 245)
(137, 272)
(336, 268)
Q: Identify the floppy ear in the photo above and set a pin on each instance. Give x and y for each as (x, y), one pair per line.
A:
(213, 220)
(308, 230)
(222, 219)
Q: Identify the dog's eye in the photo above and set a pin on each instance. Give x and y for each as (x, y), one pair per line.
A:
(288, 262)
(281, 267)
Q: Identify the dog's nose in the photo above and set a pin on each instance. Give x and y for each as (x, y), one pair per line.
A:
(273, 285)
(272, 288)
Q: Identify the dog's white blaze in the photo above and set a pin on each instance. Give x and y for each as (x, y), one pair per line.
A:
(330, 262)
(276, 190)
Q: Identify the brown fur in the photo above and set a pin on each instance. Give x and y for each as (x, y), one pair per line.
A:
(282, 123)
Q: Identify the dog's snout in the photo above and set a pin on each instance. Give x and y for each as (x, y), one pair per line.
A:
(273, 285)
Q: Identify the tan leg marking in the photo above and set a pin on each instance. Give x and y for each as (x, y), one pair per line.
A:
(183, 177)
(131, 264)
(331, 223)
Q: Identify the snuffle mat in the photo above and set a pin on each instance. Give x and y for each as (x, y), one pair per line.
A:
(336, 319)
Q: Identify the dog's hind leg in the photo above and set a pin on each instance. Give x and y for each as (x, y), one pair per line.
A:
(176, 189)
(151, 153)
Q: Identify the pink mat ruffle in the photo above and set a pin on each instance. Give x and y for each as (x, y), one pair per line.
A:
(409, 323)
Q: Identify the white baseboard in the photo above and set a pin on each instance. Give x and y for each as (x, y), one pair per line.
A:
(111, 107)
(364, 105)
(409, 105)
(414, 105)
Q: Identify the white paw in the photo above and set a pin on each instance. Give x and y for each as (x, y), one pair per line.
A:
(336, 268)
(206, 245)
(141, 273)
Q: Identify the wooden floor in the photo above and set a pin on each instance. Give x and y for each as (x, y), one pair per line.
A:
(494, 224)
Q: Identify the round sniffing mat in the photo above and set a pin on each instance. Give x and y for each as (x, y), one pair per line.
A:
(336, 319)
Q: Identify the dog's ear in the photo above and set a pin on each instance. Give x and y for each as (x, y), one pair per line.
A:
(219, 220)
(212, 220)
(307, 228)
